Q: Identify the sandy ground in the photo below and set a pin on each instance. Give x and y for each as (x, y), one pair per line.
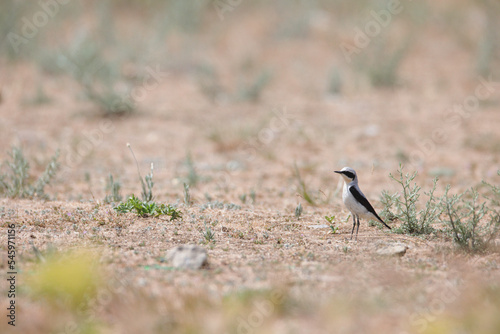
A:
(268, 272)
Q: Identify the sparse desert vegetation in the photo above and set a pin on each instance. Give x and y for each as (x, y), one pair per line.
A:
(238, 113)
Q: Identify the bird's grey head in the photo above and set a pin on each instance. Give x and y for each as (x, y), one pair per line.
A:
(348, 174)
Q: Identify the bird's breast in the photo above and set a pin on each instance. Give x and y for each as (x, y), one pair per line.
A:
(351, 203)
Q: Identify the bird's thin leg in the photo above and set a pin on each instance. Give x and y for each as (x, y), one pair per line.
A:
(357, 229)
(353, 225)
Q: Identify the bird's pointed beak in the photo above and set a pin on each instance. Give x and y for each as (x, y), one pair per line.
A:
(337, 171)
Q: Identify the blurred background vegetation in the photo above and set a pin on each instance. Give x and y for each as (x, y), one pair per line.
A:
(103, 45)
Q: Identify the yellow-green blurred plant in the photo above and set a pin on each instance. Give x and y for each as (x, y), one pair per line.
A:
(70, 279)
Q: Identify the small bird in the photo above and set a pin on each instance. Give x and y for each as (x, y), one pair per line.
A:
(355, 200)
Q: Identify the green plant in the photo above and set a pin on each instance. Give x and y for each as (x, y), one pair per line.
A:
(209, 82)
(413, 221)
(186, 15)
(252, 195)
(330, 219)
(388, 201)
(381, 63)
(187, 195)
(101, 80)
(488, 45)
(147, 209)
(114, 189)
(298, 211)
(147, 186)
(251, 90)
(39, 98)
(243, 198)
(464, 216)
(334, 82)
(208, 234)
(15, 182)
(333, 229)
(146, 183)
(495, 198)
(303, 192)
(13, 44)
(220, 205)
(192, 178)
(109, 101)
(98, 78)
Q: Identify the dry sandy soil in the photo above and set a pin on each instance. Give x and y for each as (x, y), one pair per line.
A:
(268, 271)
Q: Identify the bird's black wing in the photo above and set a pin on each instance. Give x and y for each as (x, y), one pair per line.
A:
(362, 199)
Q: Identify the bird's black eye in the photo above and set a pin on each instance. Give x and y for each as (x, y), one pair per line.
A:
(350, 175)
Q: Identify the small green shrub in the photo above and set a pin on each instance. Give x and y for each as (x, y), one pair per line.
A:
(243, 198)
(253, 195)
(488, 45)
(187, 195)
(101, 80)
(114, 189)
(303, 192)
(39, 98)
(298, 211)
(208, 234)
(208, 81)
(333, 229)
(11, 15)
(146, 183)
(16, 182)
(472, 225)
(381, 63)
(405, 205)
(219, 205)
(251, 90)
(495, 196)
(192, 177)
(388, 201)
(331, 222)
(147, 209)
(335, 82)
